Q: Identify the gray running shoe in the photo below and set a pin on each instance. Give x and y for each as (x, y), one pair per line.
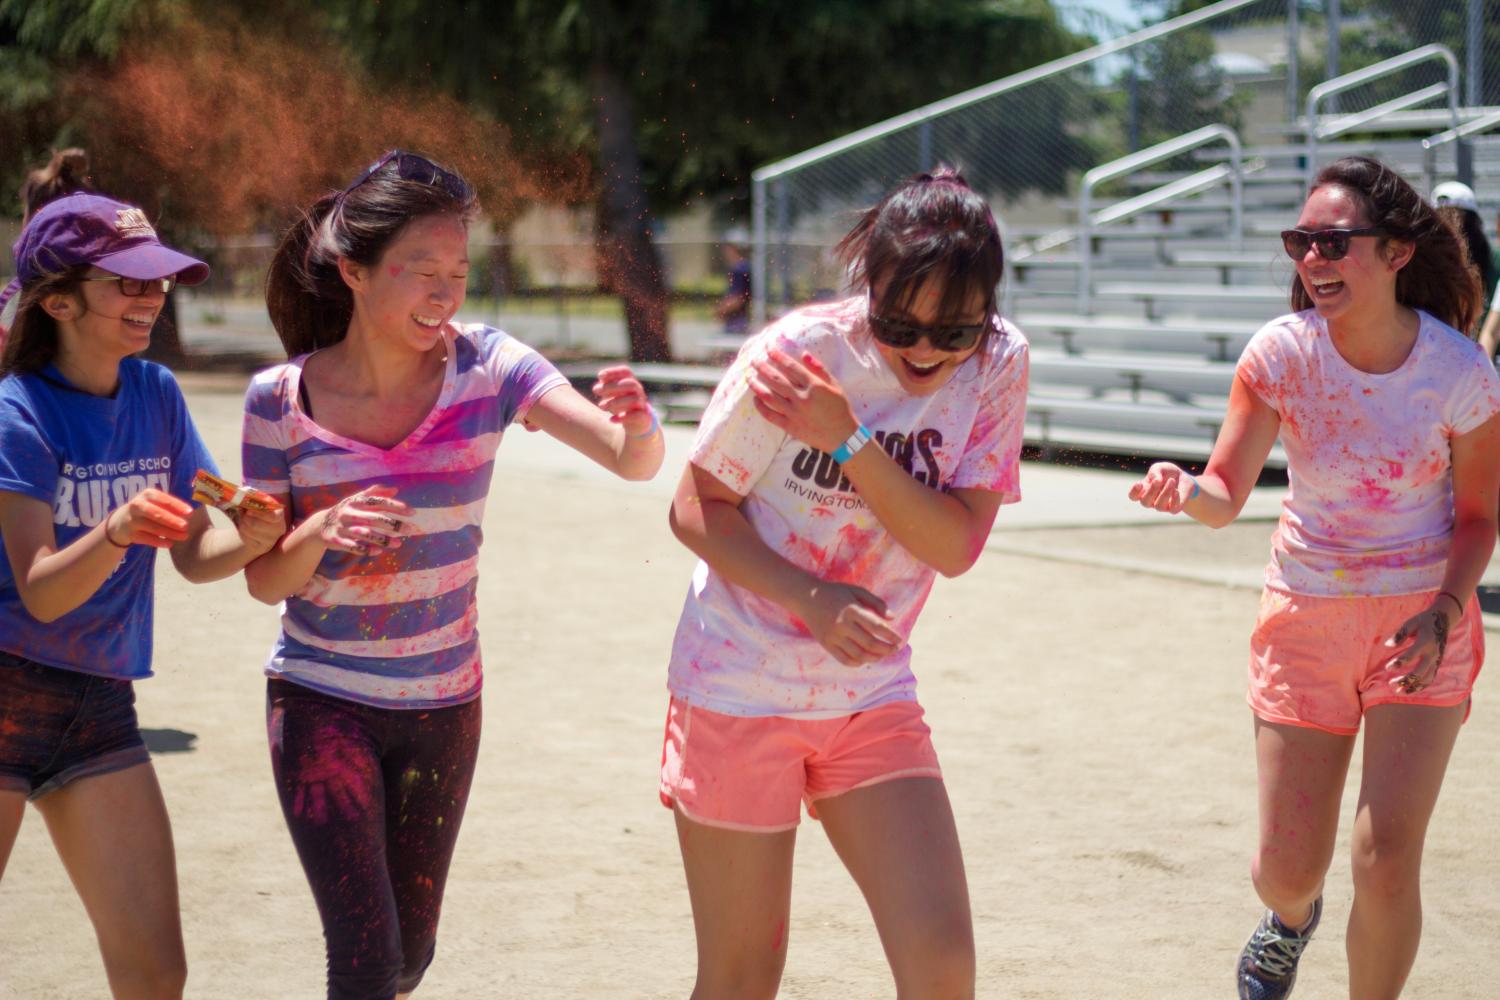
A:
(1268, 965)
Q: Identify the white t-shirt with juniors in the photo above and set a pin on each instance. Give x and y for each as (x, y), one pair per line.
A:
(1370, 508)
(738, 653)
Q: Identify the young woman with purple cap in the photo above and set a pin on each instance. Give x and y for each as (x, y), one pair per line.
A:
(380, 433)
(97, 457)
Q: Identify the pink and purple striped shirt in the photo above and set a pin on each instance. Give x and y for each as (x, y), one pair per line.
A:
(396, 628)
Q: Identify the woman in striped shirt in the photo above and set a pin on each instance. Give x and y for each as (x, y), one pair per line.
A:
(380, 433)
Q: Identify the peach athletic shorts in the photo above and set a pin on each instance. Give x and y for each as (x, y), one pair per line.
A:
(753, 773)
(1316, 661)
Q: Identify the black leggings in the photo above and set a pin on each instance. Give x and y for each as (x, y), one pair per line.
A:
(373, 798)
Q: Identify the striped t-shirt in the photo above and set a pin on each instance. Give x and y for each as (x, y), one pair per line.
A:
(395, 628)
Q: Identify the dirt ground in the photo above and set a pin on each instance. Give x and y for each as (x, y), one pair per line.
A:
(1090, 720)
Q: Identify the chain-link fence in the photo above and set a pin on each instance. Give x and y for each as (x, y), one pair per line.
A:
(1026, 141)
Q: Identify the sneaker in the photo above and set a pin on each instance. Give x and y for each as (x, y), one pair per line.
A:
(1268, 965)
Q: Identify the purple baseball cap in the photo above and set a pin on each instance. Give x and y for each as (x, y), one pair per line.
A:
(92, 229)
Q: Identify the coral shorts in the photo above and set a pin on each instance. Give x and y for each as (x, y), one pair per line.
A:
(753, 773)
(1317, 661)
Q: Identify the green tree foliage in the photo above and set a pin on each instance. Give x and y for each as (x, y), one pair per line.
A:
(678, 100)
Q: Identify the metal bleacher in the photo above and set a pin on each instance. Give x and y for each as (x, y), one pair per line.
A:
(1138, 311)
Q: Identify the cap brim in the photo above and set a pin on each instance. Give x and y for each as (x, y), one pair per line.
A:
(152, 260)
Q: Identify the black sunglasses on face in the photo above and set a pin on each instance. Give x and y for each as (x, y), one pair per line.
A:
(901, 335)
(133, 287)
(1332, 244)
(418, 169)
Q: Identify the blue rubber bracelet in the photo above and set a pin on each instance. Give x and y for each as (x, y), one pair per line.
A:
(856, 441)
(1195, 488)
(655, 426)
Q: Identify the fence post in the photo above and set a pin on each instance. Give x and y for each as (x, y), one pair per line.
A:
(1293, 56)
(1474, 53)
(783, 237)
(759, 274)
(1335, 18)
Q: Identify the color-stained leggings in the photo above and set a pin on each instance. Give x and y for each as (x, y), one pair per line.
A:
(374, 798)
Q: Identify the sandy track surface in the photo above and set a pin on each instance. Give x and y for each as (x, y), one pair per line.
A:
(1090, 721)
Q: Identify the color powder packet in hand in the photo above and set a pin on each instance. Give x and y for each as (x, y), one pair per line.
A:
(221, 493)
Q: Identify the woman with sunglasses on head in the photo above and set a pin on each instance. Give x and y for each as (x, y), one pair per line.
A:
(1387, 414)
(381, 433)
(853, 451)
(97, 458)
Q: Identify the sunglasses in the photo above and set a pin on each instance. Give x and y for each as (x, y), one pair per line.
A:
(132, 287)
(901, 335)
(419, 170)
(1332, 244)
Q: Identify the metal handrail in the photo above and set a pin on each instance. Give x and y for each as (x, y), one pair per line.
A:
(1087, 220)
(1430, 144)
(763, 177)
(1348, 81)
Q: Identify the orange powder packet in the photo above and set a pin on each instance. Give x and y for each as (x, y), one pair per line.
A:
(221, 493)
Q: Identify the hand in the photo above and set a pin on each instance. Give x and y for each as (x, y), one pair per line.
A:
(803, 399)
(1165, 487)
(850, 622)
(367, 519)
(259, 530)
(621, 394)
(151, 517)
(1422, 639)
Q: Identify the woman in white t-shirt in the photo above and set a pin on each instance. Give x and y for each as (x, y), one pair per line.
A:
(853, 450)
(1388, 417)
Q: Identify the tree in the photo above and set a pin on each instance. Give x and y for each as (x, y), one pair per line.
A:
(678, 100)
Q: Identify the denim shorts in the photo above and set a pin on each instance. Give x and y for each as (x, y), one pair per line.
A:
(57, 726)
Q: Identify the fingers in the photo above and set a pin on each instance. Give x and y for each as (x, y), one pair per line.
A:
(870, 600)
(768, 400)
(165, 501)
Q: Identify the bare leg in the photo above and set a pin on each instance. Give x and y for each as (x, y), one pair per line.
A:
(1302, 774)
(12, 809)
(115, 841)
(1405, 756)
(740, 885)
(898, 840)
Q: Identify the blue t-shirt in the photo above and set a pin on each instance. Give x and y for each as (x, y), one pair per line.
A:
(86, 455)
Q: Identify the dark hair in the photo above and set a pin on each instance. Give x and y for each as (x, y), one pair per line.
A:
(1471, 228)
(932, 225)
(66, 173)
(32, 342)
(1438, 278)
(309, 303)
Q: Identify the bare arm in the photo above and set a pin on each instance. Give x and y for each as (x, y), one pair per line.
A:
(365, 521)
(620, 433)
(1489, 333)
(210, 553)
(53, 581)
(1249, 431)
(947, 531)
(848, 621)
(1417, 647)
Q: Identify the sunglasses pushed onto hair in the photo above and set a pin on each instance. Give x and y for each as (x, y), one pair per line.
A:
(419, 170)
(1331, 244)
